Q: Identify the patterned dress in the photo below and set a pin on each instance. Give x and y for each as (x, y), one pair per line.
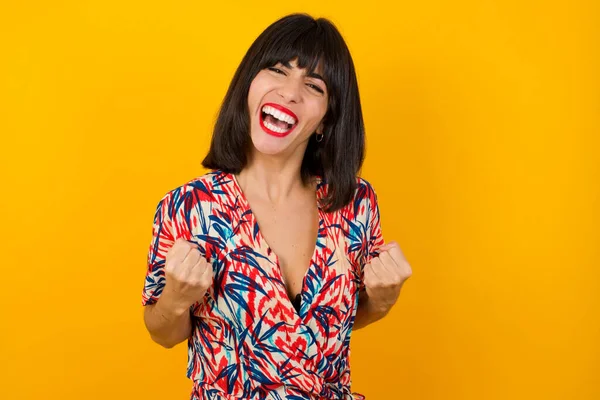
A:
(248, 340)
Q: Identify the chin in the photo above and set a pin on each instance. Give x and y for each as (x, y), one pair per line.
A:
(269, 145)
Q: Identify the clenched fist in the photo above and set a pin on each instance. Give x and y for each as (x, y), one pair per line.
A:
(188, 275)
(384, 276)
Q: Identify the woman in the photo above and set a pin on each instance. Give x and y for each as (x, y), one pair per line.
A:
(268, 311)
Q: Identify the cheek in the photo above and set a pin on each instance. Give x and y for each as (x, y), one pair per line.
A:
(318, 110)
(324, 106)
(253, 96)
(258, 88)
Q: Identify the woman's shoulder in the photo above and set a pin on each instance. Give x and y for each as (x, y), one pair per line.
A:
(208, 187)
(364, 191)
(362, 183)
(214, 183)
(361, 202)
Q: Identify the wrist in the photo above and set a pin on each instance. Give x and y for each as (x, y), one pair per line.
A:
(375, 307)
(169, 308)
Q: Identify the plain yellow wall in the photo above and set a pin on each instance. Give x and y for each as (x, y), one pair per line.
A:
(482, 121)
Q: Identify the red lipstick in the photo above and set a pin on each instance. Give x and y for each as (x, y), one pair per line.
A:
(281, 109)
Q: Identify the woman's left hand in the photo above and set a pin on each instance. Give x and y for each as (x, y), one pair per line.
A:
(384, 276)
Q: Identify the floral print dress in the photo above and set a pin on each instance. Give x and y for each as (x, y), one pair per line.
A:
(248, 340)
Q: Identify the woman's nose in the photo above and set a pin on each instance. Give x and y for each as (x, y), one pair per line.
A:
(290, 90)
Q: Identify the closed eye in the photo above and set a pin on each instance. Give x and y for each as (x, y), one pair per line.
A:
(276, 70)
(315, 87)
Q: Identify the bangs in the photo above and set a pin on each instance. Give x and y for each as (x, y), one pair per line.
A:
(302, 40)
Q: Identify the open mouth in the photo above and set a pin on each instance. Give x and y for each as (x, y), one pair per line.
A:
(277, 120)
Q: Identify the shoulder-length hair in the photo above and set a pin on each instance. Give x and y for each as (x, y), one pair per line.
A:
(337, 159)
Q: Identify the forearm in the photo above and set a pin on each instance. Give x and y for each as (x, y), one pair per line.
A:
(367, 313)
(167, 325)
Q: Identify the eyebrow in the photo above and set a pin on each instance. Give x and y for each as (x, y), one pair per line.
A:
(310, 75)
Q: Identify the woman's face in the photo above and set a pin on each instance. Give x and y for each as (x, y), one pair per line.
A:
(286, 107)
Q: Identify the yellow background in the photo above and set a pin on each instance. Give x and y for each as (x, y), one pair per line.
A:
(482, 121)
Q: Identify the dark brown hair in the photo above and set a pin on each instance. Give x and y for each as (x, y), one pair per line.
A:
(339, 157)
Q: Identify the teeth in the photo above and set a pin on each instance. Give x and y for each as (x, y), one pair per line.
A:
(275, 128)
(279, 115)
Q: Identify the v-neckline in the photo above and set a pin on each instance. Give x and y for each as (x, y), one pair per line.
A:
(261, 239)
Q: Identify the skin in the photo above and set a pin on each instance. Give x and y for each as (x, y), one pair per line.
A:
(285, 209)
(187, 277)
(383, 279)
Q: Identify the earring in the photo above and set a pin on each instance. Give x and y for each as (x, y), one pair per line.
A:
(319, 137)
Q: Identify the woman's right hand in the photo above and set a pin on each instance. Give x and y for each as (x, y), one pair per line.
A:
(188, 275)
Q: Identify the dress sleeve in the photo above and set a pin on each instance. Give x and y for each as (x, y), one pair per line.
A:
(162, 240)
(374, 236)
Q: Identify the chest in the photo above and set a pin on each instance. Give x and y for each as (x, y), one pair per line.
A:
(291, 233)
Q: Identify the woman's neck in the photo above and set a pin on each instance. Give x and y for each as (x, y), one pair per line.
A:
(272, 179)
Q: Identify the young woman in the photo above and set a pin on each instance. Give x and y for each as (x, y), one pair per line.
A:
(267, 263)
